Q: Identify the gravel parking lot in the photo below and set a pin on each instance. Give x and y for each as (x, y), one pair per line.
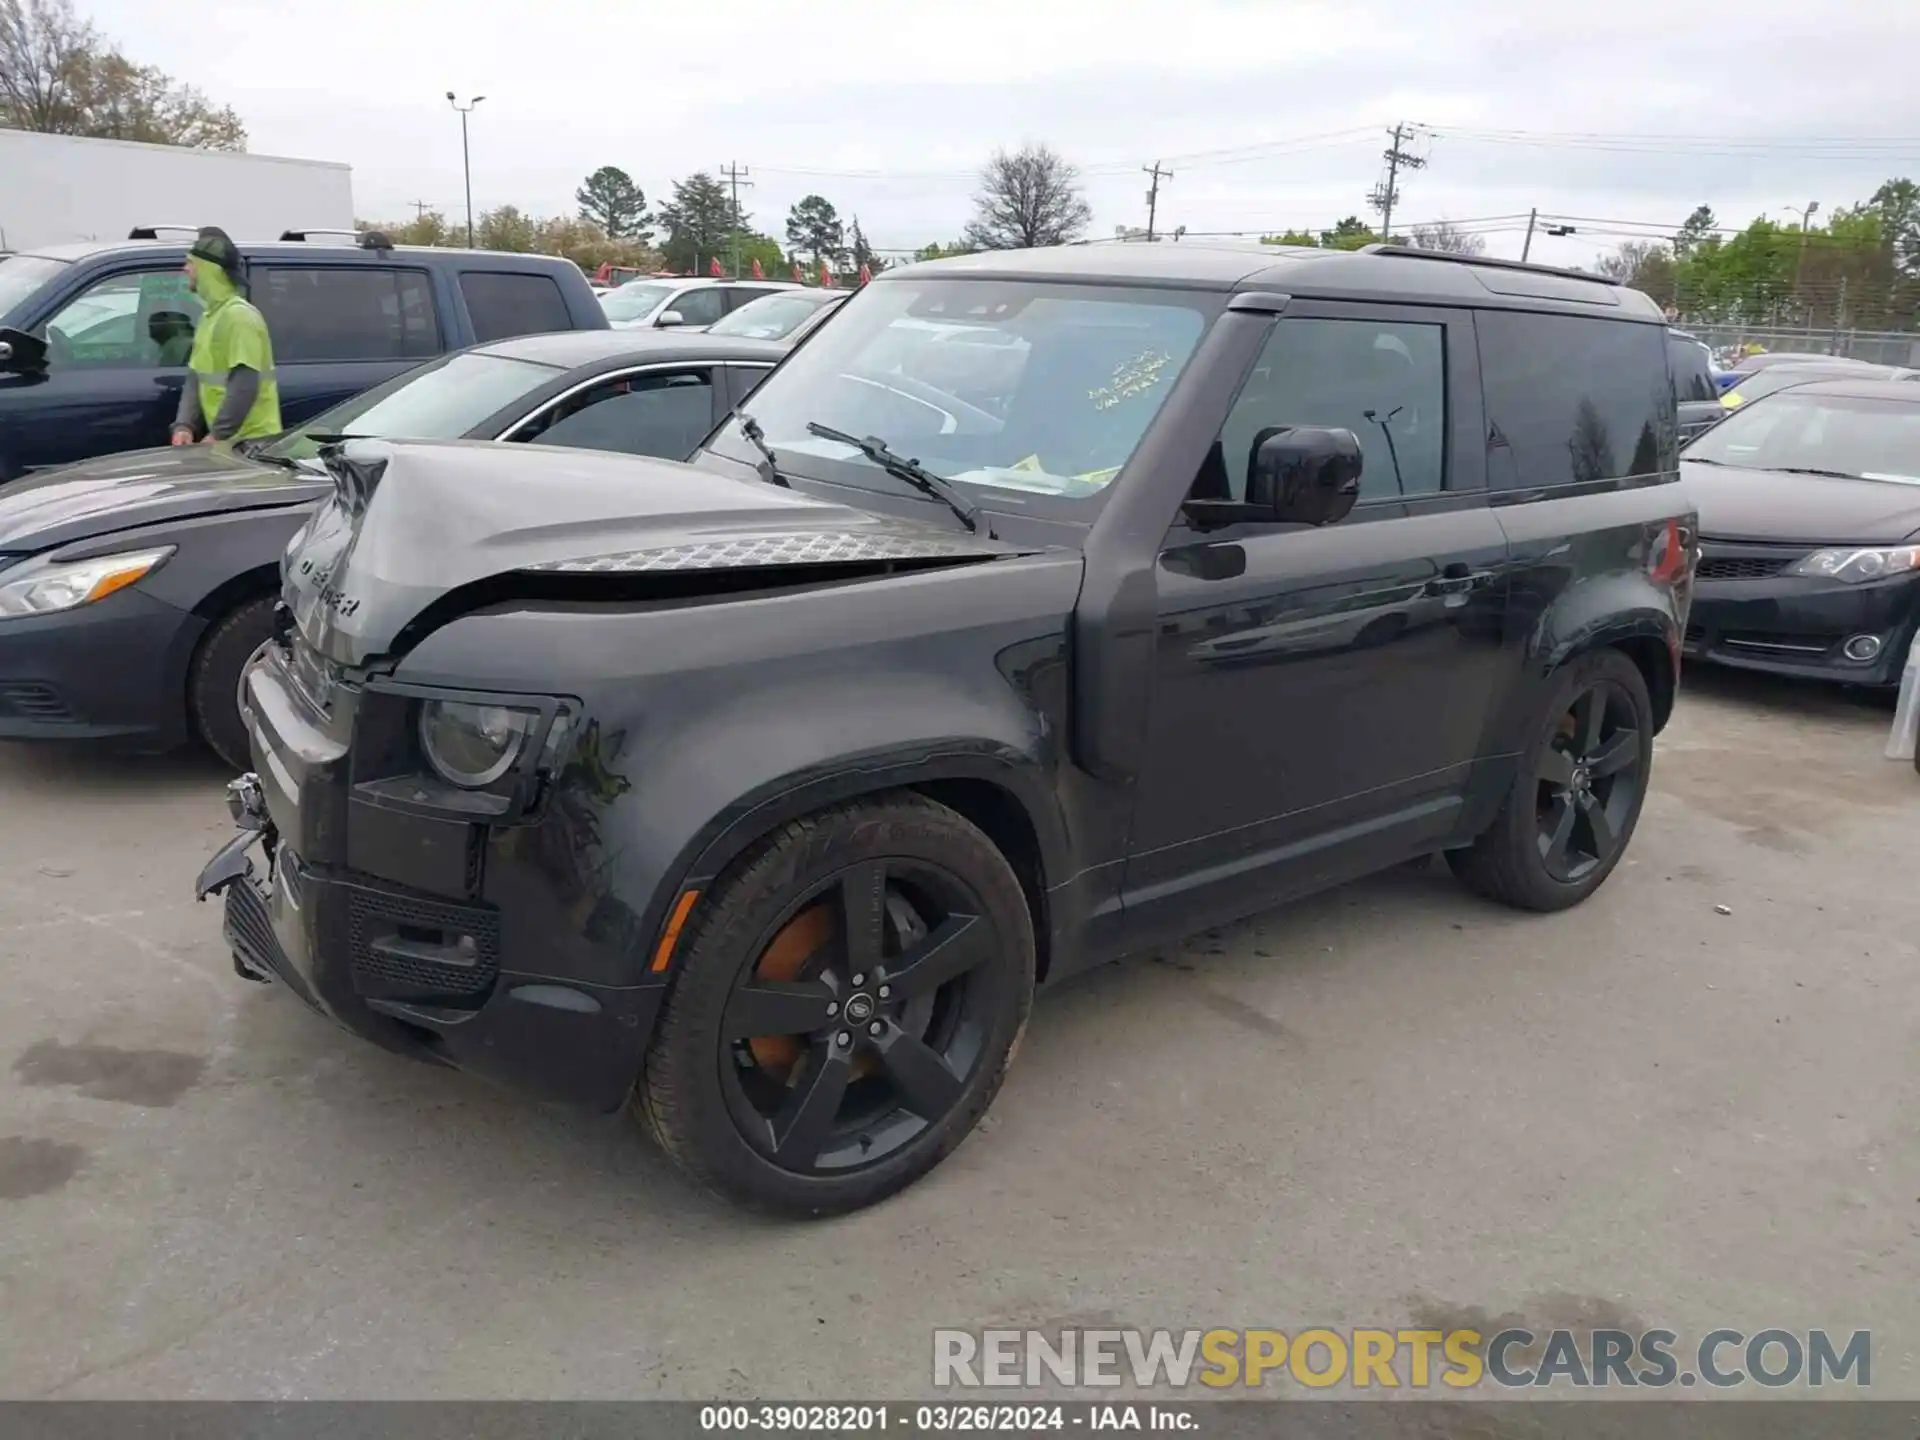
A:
(1389, 1104)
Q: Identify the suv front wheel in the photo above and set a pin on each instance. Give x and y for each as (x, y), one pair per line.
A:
(849, 999)
(1577, 796)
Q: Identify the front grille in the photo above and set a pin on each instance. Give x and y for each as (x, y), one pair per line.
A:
(420, 924)
(249, 928)
(1741, 567)
(28, 700)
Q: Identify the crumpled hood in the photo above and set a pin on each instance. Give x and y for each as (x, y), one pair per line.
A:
(143, 487)
(410, 521)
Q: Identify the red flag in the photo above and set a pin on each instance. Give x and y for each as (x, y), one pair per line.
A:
(758, 273)
(715, 269)
(866, 274)
(826, 275)
(799, 275)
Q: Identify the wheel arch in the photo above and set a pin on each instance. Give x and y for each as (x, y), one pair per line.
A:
(998, 791)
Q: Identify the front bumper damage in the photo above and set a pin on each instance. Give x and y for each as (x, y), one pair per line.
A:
(348, 947)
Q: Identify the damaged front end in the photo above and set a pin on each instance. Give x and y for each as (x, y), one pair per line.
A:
(366, 873)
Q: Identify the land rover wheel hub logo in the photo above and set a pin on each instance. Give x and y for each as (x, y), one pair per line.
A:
(859, 1008)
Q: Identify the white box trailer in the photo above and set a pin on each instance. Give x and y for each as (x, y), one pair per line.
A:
(59, 188)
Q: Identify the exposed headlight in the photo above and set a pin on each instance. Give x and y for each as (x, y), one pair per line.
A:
(473, 745)
(42, 586)
(1856, 565)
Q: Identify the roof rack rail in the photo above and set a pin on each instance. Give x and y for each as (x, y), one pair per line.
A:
(152, 232)
(1414, 252)
(357, 236)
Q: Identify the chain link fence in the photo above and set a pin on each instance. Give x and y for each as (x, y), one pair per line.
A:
(1882, 347)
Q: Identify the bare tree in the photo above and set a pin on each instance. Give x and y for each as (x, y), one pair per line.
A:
(1445, 235)
(1027, 197)
(58, 75)
(44, 51)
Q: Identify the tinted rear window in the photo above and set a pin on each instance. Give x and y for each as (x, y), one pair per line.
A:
(1692, 370)
(502, 306)
(356, 312)
(1572, 400)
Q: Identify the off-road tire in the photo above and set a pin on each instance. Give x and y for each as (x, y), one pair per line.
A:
(1504, 864)
(679, 1097)
(213, 680)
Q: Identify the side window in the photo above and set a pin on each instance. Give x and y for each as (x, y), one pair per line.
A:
(747, 378)
(502, 305)
(700, 307)
(1383, 380)
(143, 320)
(1572, 400)
(738, 295)
(358, 312)
(660, 415)
(1692, 375)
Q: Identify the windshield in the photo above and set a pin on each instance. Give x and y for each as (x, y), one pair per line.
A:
(771, 317)
(1036, 391)
(441, 400)
(1857, 435)
(631, 302)
(22, 275)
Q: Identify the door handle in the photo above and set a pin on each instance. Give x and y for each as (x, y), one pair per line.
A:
(1457, 580)
(170, 382)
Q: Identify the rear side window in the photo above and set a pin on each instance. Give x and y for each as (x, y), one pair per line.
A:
(1572, 400)
(1692, 374)
(359, 312)
(502, 306)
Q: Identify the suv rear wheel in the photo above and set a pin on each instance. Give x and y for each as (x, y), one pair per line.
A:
(1577, 797)
(848, 1002)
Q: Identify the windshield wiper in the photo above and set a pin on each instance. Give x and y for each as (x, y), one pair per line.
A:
(1807, 470)
(911, 471)
(757, 438)
(1700, 460)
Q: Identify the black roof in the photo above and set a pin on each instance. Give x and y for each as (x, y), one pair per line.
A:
(1383, 272)
(572, 349)
(334, 247)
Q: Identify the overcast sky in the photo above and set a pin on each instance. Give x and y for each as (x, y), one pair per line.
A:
(902, 101)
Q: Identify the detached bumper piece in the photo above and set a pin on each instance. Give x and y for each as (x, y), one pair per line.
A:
(421, 976)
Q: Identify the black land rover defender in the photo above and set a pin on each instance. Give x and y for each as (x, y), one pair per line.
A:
(1042, 608)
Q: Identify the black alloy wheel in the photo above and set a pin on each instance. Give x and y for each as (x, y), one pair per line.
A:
(848, 999)
(1589, 783)
(1577, 792)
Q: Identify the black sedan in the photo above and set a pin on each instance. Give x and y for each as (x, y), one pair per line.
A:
(1809, 506)
(134, 588)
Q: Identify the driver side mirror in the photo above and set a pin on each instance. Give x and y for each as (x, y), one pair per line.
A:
(669, 319)
(1304, 474)
(21, 353)
(1296, 475)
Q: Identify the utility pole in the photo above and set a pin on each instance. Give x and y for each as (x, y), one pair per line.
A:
(1527, 248)
(1800, 260)
(420, 208)
(466, 161)
(734, 175)
(1398, 159)
(1153, 193)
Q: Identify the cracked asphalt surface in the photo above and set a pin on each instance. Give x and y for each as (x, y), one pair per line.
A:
(1389, 1104)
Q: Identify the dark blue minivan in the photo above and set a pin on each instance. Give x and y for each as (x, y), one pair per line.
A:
(94, 338)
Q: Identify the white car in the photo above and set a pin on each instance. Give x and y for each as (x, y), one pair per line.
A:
(688, 304)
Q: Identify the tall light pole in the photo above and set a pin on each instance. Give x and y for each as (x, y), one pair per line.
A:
(466, 161)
